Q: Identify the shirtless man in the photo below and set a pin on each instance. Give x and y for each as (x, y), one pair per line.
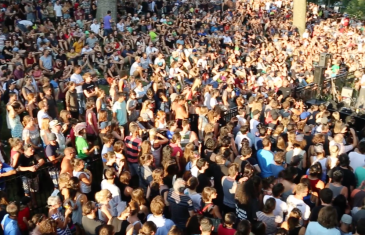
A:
(180, 111)
(66, 166)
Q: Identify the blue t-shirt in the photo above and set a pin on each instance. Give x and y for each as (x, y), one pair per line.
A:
(265, 158)
(107, 19)
(4, 169)
(121, 111)
(10, 226)
(275, 169)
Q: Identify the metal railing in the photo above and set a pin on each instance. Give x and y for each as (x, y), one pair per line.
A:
(14, 187)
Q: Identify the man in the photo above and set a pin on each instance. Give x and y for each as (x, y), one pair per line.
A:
(77, 79)
(95, 26)
(206, 226)
(107, 24)
(51, 102)
(52, 154)
(349, 179)
(202, 176)
(254, 122)
(326, 197)
(296, 201)
(136, 68)
(5, 170)
(91, 40)
(18, 71)
(89, 52)
(265, 157)
(120, 111)
(58, 11)
(108, 183)
(242, 134)
(181, 205)
(357, 157)
(10, 220)
(89, 87)
(51, 12)
(180, 111)
(57, 129)
(43, 112)
(46, 62)
(66, 166)
(86, 6)
(151, 51)
(157, 208)
(133, 147)
(281, 207)
(160, 61)
(90, 221)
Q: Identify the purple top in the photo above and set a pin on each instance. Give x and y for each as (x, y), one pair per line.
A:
(107, 19)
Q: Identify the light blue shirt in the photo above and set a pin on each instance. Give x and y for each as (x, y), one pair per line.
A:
(120, 109)
(314, 228)
(265, 158)
(10, 226)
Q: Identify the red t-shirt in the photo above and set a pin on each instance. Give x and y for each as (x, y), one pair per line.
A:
(225, 231)
(176, 149)
(23, 213)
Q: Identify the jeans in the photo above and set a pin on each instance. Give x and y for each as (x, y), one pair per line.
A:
(81, 100)
(107, 32)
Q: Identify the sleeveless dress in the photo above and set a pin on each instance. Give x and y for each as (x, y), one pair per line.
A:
(16, 127)
(83, 188)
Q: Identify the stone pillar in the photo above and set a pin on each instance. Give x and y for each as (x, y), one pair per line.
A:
(299, 15)
(104, 6)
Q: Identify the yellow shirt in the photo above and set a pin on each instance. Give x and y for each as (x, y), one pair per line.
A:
(78, 46)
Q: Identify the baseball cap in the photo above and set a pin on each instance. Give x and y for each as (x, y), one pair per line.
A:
(87, 32)
(54, 123)
(52, 137)
(173, 97)
(347, 219)
(194, 50)
(304, 115)
(318, 148)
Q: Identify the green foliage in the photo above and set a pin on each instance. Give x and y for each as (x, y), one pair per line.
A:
(356, 8)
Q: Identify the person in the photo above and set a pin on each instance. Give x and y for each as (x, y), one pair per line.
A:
(206, 226)
(265, 157)
(281, 207)
(181, 205)
(77, 79)
(84, 175)
(66, 166)
(9, 223)
(296, 201)
(54, 204)
(267, 216)
(120, 112)
(107, 23)
(346, 225)
(133, 147)
(326, 224)
(157, 208)
(90, 222)
(247, 203)
(108, 183)
(227, 226)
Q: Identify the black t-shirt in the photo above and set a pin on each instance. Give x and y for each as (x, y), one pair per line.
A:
(170, 43)
(158, 4)
(62, 57)
(9, 49)
(90, 87)
(247, 211)
(27, 161)
(180, 205)
(203, 182)
(92, 226)
(315, 213)
(285, 91)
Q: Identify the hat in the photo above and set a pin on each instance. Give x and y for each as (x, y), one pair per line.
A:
(79, 126)
(52, 137)
(173, 97)
(54, 123)
(11, 81)
(322, 120)
(307, 129)
(255, 112)
(87, 32)
(318, 148)
(304, 115)
(346, 219)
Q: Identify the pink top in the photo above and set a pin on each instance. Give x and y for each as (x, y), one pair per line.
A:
(89, 129)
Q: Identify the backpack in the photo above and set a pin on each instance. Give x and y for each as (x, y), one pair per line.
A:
(215, 221)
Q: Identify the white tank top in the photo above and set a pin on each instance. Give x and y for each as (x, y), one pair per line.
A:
(84, 188)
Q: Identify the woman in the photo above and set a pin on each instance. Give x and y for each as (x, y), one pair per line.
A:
(54, 204)
(157, 186)
(14, 119)
(138, 196)
(104, 211)
(145, 170)
(160, 121)
(315, 172)
(125, 189)
(32, 106)
(247, 195)
(16, 145)
(31, 135)
(267, 216)
(157, 141)
(28, 88)
(92, 130)
(101, 102)
(207, 206)
(45, 131)
(84, 175)
(327, 223)
(202, 121)
(133, 218)
(293, 223)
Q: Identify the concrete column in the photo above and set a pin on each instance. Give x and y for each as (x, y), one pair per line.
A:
(299, 15)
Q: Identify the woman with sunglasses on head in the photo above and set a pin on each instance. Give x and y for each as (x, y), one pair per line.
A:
(31, 135)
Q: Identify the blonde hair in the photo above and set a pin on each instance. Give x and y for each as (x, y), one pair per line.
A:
(64, 114)
(102, 195)
(86, 75)
(204, 110)
(45, 124)
(103, 116)
(14, 142)
(27, 119)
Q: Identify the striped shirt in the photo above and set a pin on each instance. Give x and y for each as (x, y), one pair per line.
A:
(133, 147)
(66, 230)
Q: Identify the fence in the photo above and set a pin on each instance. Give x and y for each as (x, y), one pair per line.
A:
(14, 190)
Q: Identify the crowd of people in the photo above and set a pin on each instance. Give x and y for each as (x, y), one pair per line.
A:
(146, 96)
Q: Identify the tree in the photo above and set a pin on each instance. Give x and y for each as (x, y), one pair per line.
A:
(104, 6)
(356, 8)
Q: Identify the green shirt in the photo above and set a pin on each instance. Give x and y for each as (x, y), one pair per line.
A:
(81, 145)
(153, 35)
